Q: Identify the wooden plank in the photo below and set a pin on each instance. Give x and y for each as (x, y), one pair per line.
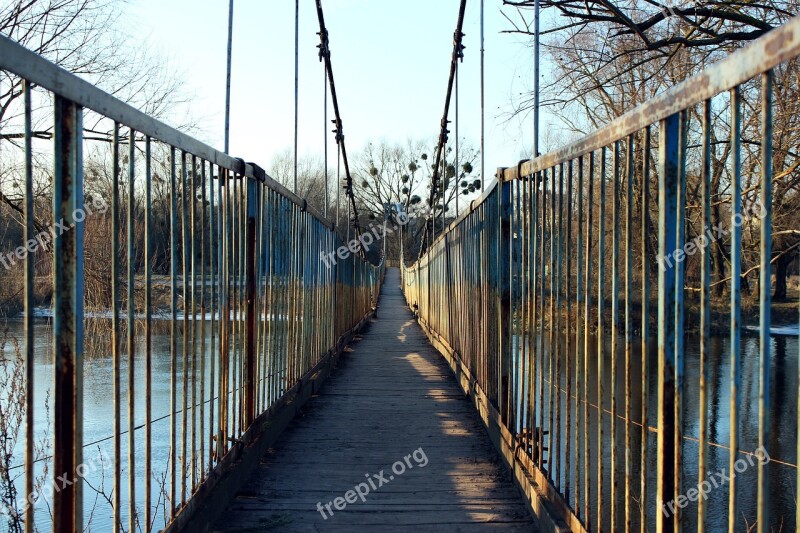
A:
(392, 395)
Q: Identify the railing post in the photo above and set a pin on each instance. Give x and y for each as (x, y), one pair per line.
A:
(503, 276)
(225, 310)
(249, 396)
(68, 310)
(668, 189)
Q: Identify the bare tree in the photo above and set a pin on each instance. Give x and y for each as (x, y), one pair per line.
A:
(388, 174)
(310, 177)
(608, 57)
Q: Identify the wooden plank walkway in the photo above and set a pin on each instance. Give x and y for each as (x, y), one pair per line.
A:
(391, 403)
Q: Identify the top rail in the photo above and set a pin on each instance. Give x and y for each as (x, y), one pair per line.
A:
(36, 69)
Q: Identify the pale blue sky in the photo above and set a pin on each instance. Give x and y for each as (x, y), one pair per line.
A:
(390, 60)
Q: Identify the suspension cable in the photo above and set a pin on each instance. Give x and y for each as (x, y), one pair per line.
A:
(458, 54)
(483, 109)
(325, 55)
(228, 81)
(338, 179)
(325, 135)
(296, 83)
(457, 161)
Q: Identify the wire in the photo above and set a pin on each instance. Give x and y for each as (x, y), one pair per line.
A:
(296, 83)
(325, 131)
(140, 426)
(483, 109)
(228, 81)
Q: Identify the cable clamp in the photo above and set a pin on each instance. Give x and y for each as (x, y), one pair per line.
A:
(324, 45)
(458, 47)
(338, 130)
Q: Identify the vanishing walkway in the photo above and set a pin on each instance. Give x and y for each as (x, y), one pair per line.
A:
(392, 395)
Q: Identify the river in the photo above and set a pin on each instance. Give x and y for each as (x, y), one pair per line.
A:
(99, 416)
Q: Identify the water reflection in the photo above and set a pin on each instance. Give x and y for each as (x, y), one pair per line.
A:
(782, 448)
(781, 434)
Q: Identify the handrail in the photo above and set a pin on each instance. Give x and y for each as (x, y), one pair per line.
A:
(30, 66)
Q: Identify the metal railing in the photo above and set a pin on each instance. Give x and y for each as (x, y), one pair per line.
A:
(557, 299)
(249, 306)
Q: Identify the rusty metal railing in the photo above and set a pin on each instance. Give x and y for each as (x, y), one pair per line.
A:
(232, 257)
(543, 290)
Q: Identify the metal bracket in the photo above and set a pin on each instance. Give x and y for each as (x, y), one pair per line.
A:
(519, 168)
(259, 173)
(244, 166)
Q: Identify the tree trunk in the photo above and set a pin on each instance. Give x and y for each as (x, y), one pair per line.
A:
(718, 258)
(781, 272)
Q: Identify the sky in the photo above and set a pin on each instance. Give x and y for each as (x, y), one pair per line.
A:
(390, 61)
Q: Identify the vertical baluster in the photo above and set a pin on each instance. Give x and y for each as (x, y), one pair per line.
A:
(628, 331)
(579, 436)
(567, 348)
(519, 362)
(225, 311)
(680, 273)
(131, 319)
(203, 287)
(645, 236)
(185, 344)
(236, 280)
(117, 326)
(764, 286)
(251, 270)
(705, 318)
(272, 279)
(557, 467)
(615, 331)
(551, 397)
(30, 272)
(68, 307)
(533, 336)
(173, 329)
(545, 273)
(148, 309)
(187, 250)
(667, 236)
(601, 289)
(586, 348)
(213, 238)
(191, 197)
(263, 230)
(736, 297)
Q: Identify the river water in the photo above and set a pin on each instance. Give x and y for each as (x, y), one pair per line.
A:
(98, 425)
(782, 438)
